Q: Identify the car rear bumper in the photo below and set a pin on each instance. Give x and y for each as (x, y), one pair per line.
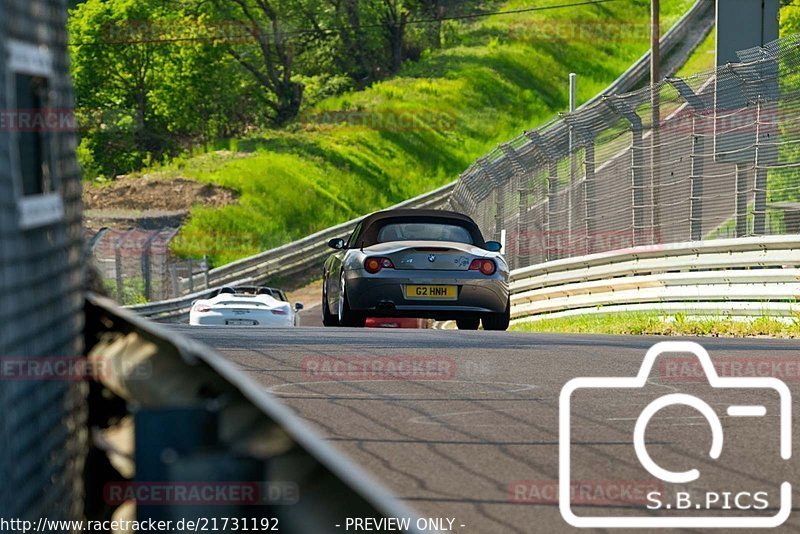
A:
(382, 295)
(261, 320)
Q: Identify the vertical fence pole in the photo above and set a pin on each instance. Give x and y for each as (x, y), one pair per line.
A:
(206, 269)
(590, 199)
(176, 288)
(760, 186)
(519, 180)
(655, 118)
(550, 251)
(572, 157)
(190, 263)
(523, 237)
(147, 265)
(552, 209)
(637, 165)
(583, 137)
(118, 274)
(118, 265)
(742, 171)
(500, 201)
(697, 157)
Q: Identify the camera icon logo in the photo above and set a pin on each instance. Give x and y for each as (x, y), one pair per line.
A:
(708, 413)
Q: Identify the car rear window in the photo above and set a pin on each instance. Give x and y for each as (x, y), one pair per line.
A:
(424, 232)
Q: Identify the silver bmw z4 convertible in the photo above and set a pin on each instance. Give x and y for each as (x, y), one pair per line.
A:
(416, 263)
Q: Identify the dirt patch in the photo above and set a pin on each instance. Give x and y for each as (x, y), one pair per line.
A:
(145, 193)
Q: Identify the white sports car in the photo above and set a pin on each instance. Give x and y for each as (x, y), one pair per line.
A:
(245, 306)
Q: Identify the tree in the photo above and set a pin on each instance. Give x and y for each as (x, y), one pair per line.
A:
(150, 82)
(269, 57)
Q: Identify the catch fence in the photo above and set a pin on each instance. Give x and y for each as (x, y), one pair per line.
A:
(719, 158)
(136, 265)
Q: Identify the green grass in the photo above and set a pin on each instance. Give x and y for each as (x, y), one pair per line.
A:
(132, 290)
(704, 57)
(650, 323)
(493, 79)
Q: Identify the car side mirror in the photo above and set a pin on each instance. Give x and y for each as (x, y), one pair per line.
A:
(298, 306)
(337, 243)
(493, 246)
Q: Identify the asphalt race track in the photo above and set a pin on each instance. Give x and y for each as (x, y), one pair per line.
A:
(475, 435)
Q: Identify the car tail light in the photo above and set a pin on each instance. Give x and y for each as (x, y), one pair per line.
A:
(487, 267)
(374, 265)
(202, 308)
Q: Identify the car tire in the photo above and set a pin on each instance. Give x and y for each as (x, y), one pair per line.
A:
(468, 323)
(328, 319)
(498, 321)
(347, 317)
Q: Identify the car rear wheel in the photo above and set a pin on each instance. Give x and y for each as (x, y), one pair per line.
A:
(328, 319)
(498, 321)
(348, 317)
(468, 323)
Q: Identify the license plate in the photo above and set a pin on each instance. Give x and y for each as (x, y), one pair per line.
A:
(239, 322)
(432, 292)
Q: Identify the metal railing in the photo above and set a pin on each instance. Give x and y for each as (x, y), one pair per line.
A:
(307, 253)
(745, 276)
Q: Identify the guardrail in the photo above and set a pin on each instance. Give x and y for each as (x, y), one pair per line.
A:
(188, 417)
(307, 253)
(746, 276)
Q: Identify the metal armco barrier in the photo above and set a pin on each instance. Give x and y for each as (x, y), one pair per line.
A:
(307, 253)
(749, 276)
(201, 420)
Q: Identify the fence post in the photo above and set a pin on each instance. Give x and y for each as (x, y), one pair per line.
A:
(176, 288)
(552, 193)
(206, 269)
(500, 200)
(697, 158)
(760, 185)
(147, 265)
(585, 139)
(522, 192)
(191, 275)
(740, 214)
(637, 163)
(118, 265)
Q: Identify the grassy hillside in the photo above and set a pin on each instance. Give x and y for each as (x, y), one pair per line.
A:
(494, 78)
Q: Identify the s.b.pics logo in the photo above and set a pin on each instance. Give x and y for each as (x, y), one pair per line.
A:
(716, 450)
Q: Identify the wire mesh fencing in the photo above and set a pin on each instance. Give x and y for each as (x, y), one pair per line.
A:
(709, 156)
(137, 266)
